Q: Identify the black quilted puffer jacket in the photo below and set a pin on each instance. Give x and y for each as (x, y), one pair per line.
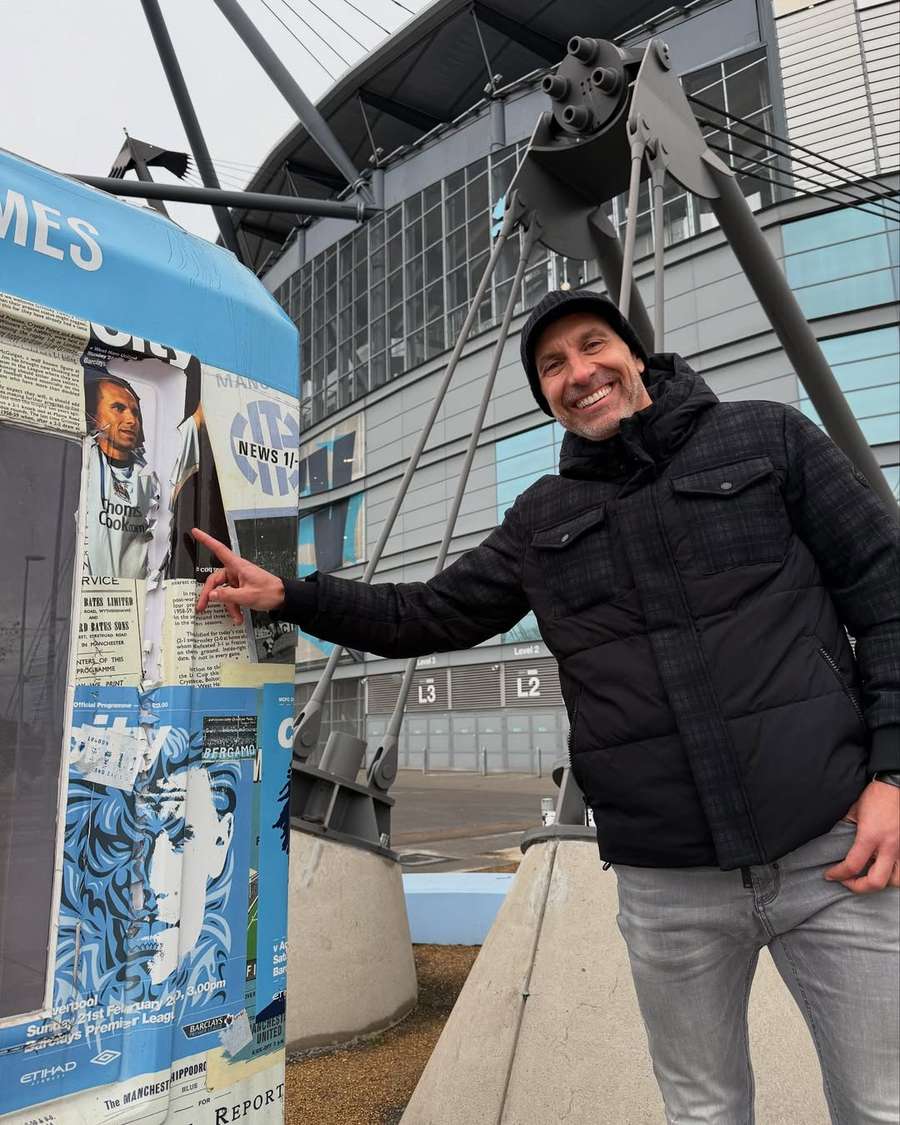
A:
(695, 576)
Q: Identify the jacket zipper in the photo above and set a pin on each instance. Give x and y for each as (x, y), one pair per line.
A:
(692, 625)
(839, 676)
(570, 741)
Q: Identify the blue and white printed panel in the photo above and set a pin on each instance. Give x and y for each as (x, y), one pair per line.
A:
(169, 986)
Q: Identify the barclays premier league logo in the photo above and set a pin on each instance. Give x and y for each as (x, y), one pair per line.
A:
(264, 442)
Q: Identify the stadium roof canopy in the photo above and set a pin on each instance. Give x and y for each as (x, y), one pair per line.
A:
(431, 70)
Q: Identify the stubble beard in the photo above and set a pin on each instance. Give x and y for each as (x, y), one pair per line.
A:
(603, 428)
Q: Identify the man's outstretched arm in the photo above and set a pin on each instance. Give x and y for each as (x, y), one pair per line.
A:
(477, 597)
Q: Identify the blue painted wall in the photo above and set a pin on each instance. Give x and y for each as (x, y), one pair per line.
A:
(454, 908)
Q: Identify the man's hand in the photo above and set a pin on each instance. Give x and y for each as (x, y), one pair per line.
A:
(877, 818)
(238, 583)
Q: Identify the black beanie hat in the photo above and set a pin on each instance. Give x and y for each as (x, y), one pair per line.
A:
(559, 303)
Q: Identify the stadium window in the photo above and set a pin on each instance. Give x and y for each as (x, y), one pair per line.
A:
(865, 365)
(843, 259)
(538, 278)
(738, 86)
(522, 459)
(343, 708)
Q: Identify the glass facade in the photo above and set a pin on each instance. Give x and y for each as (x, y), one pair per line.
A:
(867, 366)
(394, 293)
(328, 539)
(332, 537)
(842, 260)
(739, 86)
(520, 461)
(343, 710)
(496, 739)
(523, 459)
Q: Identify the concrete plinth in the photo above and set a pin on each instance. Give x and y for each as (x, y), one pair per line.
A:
(350, 961)
(574, 1051)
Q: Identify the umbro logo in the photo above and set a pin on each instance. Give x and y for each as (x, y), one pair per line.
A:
(105, 1057)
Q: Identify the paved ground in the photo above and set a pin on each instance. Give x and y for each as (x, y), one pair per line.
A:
(463, 821)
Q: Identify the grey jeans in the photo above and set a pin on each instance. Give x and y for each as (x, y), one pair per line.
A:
(694, 935)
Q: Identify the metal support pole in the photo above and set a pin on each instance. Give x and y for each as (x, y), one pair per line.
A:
(306, 728)
(498, 124)
(189, 120)
(797, 338)
(637, 154)
(609, 257)
(314, 123)
(384, 766)
(377, 183)
(772, 62)
(249, 200)
(657, 180)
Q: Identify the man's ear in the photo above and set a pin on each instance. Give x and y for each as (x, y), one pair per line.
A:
(639, 363)
(224, 833)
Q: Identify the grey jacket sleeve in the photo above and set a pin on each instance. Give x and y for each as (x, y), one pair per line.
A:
(856, 543)
(477, 597)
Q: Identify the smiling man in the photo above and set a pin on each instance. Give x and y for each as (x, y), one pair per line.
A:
(695, 568)
(123, 493)
(589, 376)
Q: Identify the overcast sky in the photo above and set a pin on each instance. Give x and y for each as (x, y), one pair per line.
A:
(76, 73)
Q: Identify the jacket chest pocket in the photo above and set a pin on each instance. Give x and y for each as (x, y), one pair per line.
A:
(733, 515)
(574, 562)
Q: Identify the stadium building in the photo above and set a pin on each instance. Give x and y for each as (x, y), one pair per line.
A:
(439, 115)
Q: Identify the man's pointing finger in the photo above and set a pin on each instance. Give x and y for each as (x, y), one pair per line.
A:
(223, 554)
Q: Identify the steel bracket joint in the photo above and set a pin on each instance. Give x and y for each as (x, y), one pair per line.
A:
(617, 111)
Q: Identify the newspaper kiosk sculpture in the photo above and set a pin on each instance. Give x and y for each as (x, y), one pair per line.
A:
(145, 751)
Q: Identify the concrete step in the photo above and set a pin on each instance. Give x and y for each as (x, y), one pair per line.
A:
(547, 1029)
